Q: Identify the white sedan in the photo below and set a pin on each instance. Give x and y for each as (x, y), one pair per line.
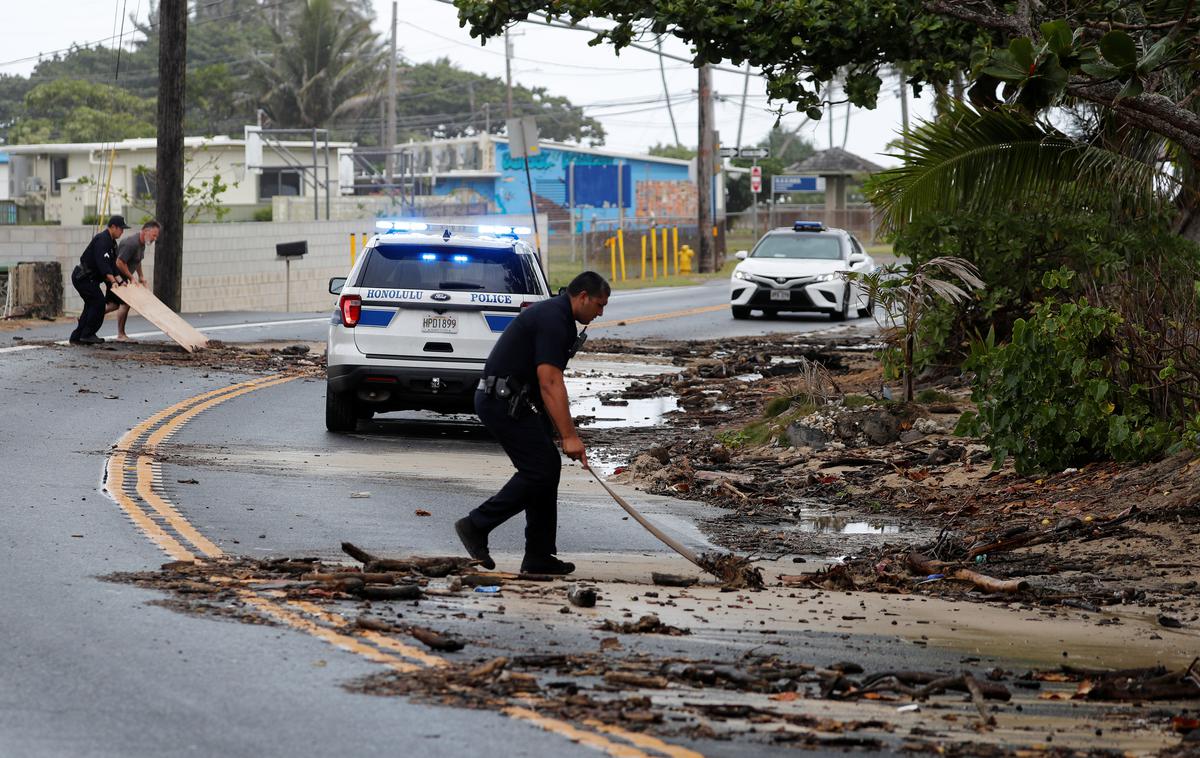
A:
(801, 269)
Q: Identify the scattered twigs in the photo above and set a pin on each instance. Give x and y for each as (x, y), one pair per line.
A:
(977, 697)
(431, 567)
(445, 643)
(923, 566)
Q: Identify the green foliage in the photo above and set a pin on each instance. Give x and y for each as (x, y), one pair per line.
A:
(72, 110)
(776, 406)
(678, 152)
(858, 401)
(263, 214)
(930, 396)
(439, 99)
(978, 162)
(1055, 396)
(798, 45)
(1014, 249)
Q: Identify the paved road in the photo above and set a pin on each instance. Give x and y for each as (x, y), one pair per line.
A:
(92, 668)
(699, 312)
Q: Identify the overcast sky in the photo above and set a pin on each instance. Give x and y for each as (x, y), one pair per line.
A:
(625, 93)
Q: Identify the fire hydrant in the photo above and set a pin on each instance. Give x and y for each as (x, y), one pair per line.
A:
(685, 259)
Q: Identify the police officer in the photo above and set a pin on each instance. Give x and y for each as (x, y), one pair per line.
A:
(96, 266)
(522, 399)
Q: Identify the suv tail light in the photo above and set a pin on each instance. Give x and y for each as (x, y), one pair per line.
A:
(351, 308)
(526, 304)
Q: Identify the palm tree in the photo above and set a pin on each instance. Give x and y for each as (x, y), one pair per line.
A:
(326, 64)
(976, 161)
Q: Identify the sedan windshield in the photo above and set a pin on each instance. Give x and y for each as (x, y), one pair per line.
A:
(799, 245)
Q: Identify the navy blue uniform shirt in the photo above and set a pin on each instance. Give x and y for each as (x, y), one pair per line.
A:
(543, 333)
(98, 259)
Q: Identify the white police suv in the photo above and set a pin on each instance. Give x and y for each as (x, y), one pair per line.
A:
(418, 314)
(800, 269)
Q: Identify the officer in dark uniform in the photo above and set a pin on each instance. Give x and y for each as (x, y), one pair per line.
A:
(522, 399)
(96, 266)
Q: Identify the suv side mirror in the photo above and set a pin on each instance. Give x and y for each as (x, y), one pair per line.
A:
(741, 255)
(857, 258)
(336, 284)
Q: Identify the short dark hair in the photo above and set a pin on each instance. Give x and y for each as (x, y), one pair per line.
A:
(591, 283)
(152, 224)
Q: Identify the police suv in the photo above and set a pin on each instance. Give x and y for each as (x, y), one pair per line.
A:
(418, 314)
(801, 269)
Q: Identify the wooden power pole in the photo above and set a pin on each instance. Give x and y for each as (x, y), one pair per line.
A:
(705, 155)
(172, 68)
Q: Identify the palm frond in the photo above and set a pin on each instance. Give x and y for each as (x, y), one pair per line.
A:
(979, 161)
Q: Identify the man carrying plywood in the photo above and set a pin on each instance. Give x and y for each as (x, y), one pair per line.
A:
(131, 251)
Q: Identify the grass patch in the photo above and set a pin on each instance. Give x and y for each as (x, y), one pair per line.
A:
(768, 430)
(858, 401)
(928, 396)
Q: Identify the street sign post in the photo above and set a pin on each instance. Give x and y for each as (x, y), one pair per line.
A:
(523, 140)
(727, 152)
(754, 153)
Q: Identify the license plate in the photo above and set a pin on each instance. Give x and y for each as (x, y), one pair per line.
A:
(440, 324)
(781, 295)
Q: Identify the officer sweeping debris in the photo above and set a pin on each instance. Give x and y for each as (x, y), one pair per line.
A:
(522, 400)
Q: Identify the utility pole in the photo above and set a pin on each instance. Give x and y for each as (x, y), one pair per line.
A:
(390, 160)
(706, 250)
(172, 72)
(903, 112)
(508, 71)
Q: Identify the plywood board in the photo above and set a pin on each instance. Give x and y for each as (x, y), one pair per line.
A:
(142, 300)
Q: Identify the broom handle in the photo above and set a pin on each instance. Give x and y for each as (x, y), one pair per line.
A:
(669, 542)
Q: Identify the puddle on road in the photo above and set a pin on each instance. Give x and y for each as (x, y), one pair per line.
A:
(822, 521)
(588, 380)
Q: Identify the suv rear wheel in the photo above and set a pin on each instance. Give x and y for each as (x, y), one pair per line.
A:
(341, 415)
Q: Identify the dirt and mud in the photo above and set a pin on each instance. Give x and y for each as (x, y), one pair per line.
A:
(916, 599)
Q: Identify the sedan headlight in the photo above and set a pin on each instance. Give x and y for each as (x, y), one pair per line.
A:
(826, 278)
(740, 275)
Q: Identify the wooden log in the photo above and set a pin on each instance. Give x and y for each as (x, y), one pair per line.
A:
(493, 666)
(389, 592)
(990, 583)
(672, 580)
(629, 679)
(444, 643)
(977, 698)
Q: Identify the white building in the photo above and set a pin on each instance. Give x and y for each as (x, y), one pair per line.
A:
(74, 181)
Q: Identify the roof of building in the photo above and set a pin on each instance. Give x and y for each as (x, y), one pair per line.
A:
(147, 143)
(3, 157)
(835, 162)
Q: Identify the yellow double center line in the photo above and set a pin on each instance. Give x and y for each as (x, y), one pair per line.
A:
(133, 480)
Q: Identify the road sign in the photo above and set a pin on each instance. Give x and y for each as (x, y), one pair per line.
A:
(523, 137)
(755, 184)
(797, 183)
(756, 172)
(753, 152)
(727, 152)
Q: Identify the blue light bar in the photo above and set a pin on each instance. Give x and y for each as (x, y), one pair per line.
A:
(460, 259)
(808, 226)
(401, 226)
(428, 257)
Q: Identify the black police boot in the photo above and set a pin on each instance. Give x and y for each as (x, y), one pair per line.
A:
(546, 564)
(475, 542)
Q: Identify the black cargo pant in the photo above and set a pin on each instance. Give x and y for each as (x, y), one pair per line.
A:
(91, 318)
(534, 488)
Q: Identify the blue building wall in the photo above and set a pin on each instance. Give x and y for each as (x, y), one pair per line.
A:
(595, 182)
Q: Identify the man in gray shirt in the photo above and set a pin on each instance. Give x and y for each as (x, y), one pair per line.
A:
(130, 253)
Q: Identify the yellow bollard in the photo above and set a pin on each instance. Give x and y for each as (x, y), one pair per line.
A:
(653, 258)
(654, 251)
(353, 251)
(621, 246)
(665, 250)
(612, 256)
(675, 245)
(643, 256)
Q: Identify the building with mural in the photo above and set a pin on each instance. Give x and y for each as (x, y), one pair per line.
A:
(595, 188)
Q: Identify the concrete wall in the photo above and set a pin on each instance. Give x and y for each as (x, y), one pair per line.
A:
(227, 267)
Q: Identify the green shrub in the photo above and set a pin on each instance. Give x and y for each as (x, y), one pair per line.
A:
(90, 219)
(263, 214)
(1058, 394)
